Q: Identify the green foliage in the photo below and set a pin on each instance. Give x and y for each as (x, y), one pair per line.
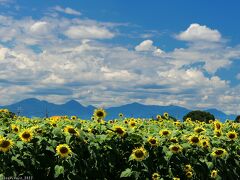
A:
(201, 116)
(99, 151)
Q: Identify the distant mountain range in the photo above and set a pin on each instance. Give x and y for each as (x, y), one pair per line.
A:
(36, 108)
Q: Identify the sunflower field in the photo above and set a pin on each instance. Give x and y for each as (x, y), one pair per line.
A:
(62, 147)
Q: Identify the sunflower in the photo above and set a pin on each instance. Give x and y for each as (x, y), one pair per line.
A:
(73, 117)
(217, 133)
(155, 176)
(92, 118)
(175, 148)
(99, 113)
(159, 117)
(204, 143)
(188, 120)
(232, 135)
(120, 115)
(71, 130)
(219, 153)
(173, 140)
(176, 178)
(166, 115)
(110, 121)
(125, 121)
(5, 144)
(187, 167)
(199, 130)
(153, 141)
(63, 150)
(177, 123)
(194, 140)
(15, 128)
(189, 174)
(165, 132)
(210, 121)
(132, 123)
(139, 154)
(214, 173)
(119, 130)
(26, 135)
(218, 125)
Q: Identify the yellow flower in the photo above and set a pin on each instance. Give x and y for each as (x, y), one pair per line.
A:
(5, 144)
(165, 132)
(119, 130)
(139, 154)
(166, 115)
(189, 174)
(232, 135)
(99, 113)
(204, 143)
(120, 115)
(219, 153)
(153, 141)
(126, 121)
(176, 178)
(159, 117)
(63, 150)
(188, 167)
(132, 123)
(73, 117)
(71, 130)
(188, 120)
(173, 140)
(175, 148)
(217, 125)
(155, 176)
(217, 133)
(26, 135)
(15, 128)
(199, 130)
(214, 173)
(177, 123)
(194, 140)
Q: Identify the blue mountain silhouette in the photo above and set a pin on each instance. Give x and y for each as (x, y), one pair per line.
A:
(36, 108)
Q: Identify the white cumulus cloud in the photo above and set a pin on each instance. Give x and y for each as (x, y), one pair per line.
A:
(88, 32)
(196, 32)
(67, 10)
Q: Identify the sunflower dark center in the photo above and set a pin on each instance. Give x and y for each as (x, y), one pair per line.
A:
(199, 130)
(119, 131)
(26, 135)
(71, 130)
(100, 114)
(15, 129)
(139, 153)
(64, 150)
(133, 123)
(5, 144)
(231, 136)
(153, 141)
(175, 148)
(165, 133)
(195, 139)
(173, 140)
(218, 126)
(219, 152)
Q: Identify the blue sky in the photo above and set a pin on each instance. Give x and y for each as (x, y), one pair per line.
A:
(117, 52)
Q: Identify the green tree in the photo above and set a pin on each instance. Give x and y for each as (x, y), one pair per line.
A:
(237, 119)
(202, 116)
